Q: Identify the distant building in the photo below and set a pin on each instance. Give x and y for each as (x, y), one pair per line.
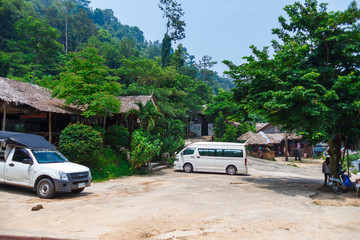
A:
(269, 140)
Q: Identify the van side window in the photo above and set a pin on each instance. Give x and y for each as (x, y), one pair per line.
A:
(189, 151)
(209, 152)
(233, 153)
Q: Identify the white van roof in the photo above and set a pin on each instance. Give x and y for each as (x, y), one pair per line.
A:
(216, 144)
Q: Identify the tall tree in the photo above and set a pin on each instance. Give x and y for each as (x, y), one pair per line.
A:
(204, 65)
(175, 27)
(312, 83)
(39, 39)
(69, 6)
(86, 84)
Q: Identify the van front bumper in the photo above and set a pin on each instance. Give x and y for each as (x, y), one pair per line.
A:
(177, 165)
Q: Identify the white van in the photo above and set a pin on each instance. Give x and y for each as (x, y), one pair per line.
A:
(212, 157)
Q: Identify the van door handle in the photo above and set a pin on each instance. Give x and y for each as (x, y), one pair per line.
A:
(11, 165)
(198, 156)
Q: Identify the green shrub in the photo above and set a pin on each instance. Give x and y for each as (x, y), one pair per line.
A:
(100, 129)
(80, 143)
(171, 144)
(110, 164)
(143, 149)
(117, 136)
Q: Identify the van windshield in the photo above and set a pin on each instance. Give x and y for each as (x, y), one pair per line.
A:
(189, 151)
(46, 156)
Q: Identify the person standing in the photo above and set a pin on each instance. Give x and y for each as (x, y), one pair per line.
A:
(326, 169)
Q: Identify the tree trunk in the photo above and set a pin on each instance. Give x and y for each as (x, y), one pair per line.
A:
(66, 29)
(34, 73)
(335, 154)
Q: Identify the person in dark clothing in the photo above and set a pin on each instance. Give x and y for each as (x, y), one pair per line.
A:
(326, 169)
(297, 154)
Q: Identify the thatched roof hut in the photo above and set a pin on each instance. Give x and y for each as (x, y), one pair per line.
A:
(246, 136)
(130, 102)
(260, 126)
(16, 93)
(261, 138)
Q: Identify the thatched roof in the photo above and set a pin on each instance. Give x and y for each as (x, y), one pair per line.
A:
(259, 126)
(130, 102)
(261, 138)
(21, 93)
(246, 136)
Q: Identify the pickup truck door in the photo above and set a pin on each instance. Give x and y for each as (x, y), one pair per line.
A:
(17, 172)
(2, 168)
(2, 161)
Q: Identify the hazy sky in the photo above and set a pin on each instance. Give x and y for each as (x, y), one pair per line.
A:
(222, 29)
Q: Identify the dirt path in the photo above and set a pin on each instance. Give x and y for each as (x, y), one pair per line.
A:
(275, 201)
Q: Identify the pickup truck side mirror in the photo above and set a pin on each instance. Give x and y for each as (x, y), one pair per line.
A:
(181, 153)
(27, 161)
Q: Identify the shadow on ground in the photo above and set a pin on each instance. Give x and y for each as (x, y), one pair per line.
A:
(312, 188)
(16, 190)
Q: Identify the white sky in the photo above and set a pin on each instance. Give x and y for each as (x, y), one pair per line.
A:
(222, 29)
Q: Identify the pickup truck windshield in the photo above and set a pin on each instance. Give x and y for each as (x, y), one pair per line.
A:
(43, 156)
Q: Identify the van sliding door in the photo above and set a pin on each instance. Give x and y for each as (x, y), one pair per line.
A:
(205, 161)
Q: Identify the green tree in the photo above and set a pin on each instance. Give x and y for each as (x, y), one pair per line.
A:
(175, 27)
(220, 126)
(143, 149)
(311, 84)
(39, 39)
(10, 12)
(148, 115)
(204, 65)
(85, 83)
(224, 103)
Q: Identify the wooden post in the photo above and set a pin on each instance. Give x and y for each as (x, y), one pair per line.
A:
(4, 117)
(286, 147)
(50, 127)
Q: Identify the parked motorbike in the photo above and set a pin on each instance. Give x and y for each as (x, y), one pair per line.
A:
(340, 184)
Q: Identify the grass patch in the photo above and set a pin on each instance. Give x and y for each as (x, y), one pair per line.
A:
(293, 165)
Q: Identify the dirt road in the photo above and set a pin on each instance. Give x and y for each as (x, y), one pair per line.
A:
(275, 201)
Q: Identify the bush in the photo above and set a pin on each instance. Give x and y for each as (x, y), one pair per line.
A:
(110, 164)
(80, 143)
(117, 136)
(143, 149)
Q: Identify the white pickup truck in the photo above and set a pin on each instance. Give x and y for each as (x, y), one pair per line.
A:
(29, 160)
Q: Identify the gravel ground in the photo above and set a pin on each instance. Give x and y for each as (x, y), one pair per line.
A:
(276, 200)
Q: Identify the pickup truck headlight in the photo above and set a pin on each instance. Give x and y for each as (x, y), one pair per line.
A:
(63, 176)
(89, 174)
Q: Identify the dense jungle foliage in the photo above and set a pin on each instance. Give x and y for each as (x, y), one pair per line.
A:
(87, 57)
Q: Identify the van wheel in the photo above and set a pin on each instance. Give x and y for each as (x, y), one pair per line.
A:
(231, 170)
(45, 188)
(188, 168)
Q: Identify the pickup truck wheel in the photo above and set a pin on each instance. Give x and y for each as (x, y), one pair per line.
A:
(45, 188)
(79, 190)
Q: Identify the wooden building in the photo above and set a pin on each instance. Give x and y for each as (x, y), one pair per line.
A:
(29, 108)
(269, 141)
